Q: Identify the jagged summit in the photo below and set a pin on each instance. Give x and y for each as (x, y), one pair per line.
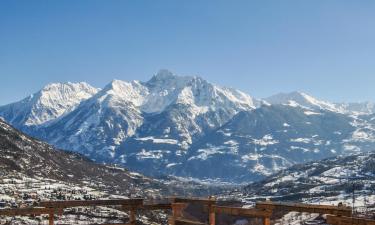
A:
(164, 74)
(132, 92)
(49, 103)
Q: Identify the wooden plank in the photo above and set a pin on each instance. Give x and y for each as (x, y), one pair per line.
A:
(161, 206)
(211, 215)
(25, 211)
(205, 201)
(300, 207)
(343, 220)
(237, 211)
(177, 209)
(266, 221)
(67, 204)
(132, 217)
(51, 218)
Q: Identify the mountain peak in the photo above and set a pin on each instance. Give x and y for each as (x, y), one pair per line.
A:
(298, 98)
(50, 102)
(69, 84)
(165, 77)
(115, 84)
(164, 74)
(132, 91)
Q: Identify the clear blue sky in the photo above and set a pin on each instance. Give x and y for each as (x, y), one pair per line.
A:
(326, 48)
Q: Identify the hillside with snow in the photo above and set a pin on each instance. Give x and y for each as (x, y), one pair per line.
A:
(350, 180)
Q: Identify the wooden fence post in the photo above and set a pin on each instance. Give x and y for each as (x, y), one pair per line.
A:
(132, 216)
(177, 209)
(212, 215)
(51, 216)
(266, 221)
(211, 211)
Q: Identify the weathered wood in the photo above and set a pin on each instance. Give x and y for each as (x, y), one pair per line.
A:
(51, 218)
(25, 211)
(211, 215)
(161, 206)
(343, 220)
(205, 201)
(132, 215)
(177, 209)
(300, 207)
(266, 221)
(76, 203)
(181, 221)
(237, 211)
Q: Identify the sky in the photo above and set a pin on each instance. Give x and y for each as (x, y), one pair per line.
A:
(325, 48)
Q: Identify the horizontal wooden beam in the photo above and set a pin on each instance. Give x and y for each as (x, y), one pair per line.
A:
(237, 211)
(205, 201)
(343, 220)
(300, 207)
(26, 211)
(160, 206)
(136, 202)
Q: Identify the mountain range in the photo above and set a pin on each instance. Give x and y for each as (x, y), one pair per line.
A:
(185, 126)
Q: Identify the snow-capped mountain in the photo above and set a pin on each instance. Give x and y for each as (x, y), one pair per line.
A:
(47, 104)
(301, 99)
(186, 126)
(167, 107)
(98, 125)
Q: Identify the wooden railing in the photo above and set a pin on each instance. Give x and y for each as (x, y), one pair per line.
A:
(52, 208)
(309, 208)
(180, 204)
(337, 215)
(135, 202)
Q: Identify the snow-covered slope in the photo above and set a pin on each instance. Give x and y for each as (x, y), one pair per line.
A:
(47, 104)
(301, 99)
(327, 181)
(257, 143)
(22, 154)
(100, 124)
(357, 107)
